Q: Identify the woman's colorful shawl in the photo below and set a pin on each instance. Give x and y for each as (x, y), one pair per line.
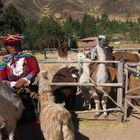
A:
(14, 58)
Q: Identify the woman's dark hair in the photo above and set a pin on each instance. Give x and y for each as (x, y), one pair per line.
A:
(16, 44)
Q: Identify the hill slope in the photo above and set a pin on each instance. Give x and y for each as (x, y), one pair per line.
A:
(36, 9)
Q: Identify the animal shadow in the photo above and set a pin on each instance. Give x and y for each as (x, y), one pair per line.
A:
(78, 135)
(29, 132)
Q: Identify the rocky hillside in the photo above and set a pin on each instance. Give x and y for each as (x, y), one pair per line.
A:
(36, 9)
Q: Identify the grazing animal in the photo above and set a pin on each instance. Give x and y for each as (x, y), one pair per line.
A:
(100, 75)
(11, 108)
(134, 83)
(56, 123)
(126, 56)
(63, 52)
(134, 90)
(109, 55)
(64, 55)
(85, 72)
(65, 94)
(84, 78)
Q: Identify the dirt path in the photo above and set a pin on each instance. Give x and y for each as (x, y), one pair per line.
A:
(109, 130)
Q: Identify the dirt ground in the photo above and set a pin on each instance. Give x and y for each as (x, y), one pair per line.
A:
(87, 128)
(109, 130)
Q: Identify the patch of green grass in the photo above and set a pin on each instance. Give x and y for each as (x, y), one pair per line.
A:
(104, 124)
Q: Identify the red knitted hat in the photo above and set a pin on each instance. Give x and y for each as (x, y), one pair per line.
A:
(11, 38)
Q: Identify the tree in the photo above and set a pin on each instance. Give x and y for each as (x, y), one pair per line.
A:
(104, 17)
(139, 20)
(14, 22)
(32, 34)
(88, 26)
(51, 32)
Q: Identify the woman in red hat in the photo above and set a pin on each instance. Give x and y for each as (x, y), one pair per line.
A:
(20, 66)
(18, 69)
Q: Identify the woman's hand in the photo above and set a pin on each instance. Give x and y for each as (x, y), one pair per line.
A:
(20, 83)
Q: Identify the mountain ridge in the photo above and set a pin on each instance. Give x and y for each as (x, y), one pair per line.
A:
(37, 9)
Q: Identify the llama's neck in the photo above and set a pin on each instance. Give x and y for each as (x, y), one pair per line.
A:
(101, 75)
(45, 93)
(44, 98)
(101, 56)
(63, 59)
(102, 72)
(86, 70)
(86, 73)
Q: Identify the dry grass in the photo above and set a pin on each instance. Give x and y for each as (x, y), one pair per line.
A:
(126, 46)
(104, 124)
(52, 68)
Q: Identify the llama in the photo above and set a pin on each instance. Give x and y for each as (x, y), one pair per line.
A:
(11, 109)
(100, 75)
(127, 56)
(134, 83)
(84, 78)
(65, 94)
(63, 53)
(56, 123)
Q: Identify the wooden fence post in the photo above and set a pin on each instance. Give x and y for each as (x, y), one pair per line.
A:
(45, 53)
(120, 89)
(126, 89)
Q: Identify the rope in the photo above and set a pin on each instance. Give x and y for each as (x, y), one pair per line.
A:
(98, 87)
(130, 90)
(132, 105)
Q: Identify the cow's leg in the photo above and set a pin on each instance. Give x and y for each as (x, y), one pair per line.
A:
(11, 135)
(3, 131)
(2, 123)
(87, 97)
(97, 103)
(0, 135)
(84, 95)
(104, 102)
(11, 130)
(4, 134)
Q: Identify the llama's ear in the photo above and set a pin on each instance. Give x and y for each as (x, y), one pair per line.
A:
(45, 74)
(36, 81)
(71, 69)
(42, 74)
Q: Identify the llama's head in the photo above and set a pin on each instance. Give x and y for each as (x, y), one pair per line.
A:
(42, 75)
(81, 56)
(87, 54)
(43, 81)
(63, 50)
(102, 41)
(75, 73)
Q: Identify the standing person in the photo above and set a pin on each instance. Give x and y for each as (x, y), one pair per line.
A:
(20, 65)
(18, 69)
